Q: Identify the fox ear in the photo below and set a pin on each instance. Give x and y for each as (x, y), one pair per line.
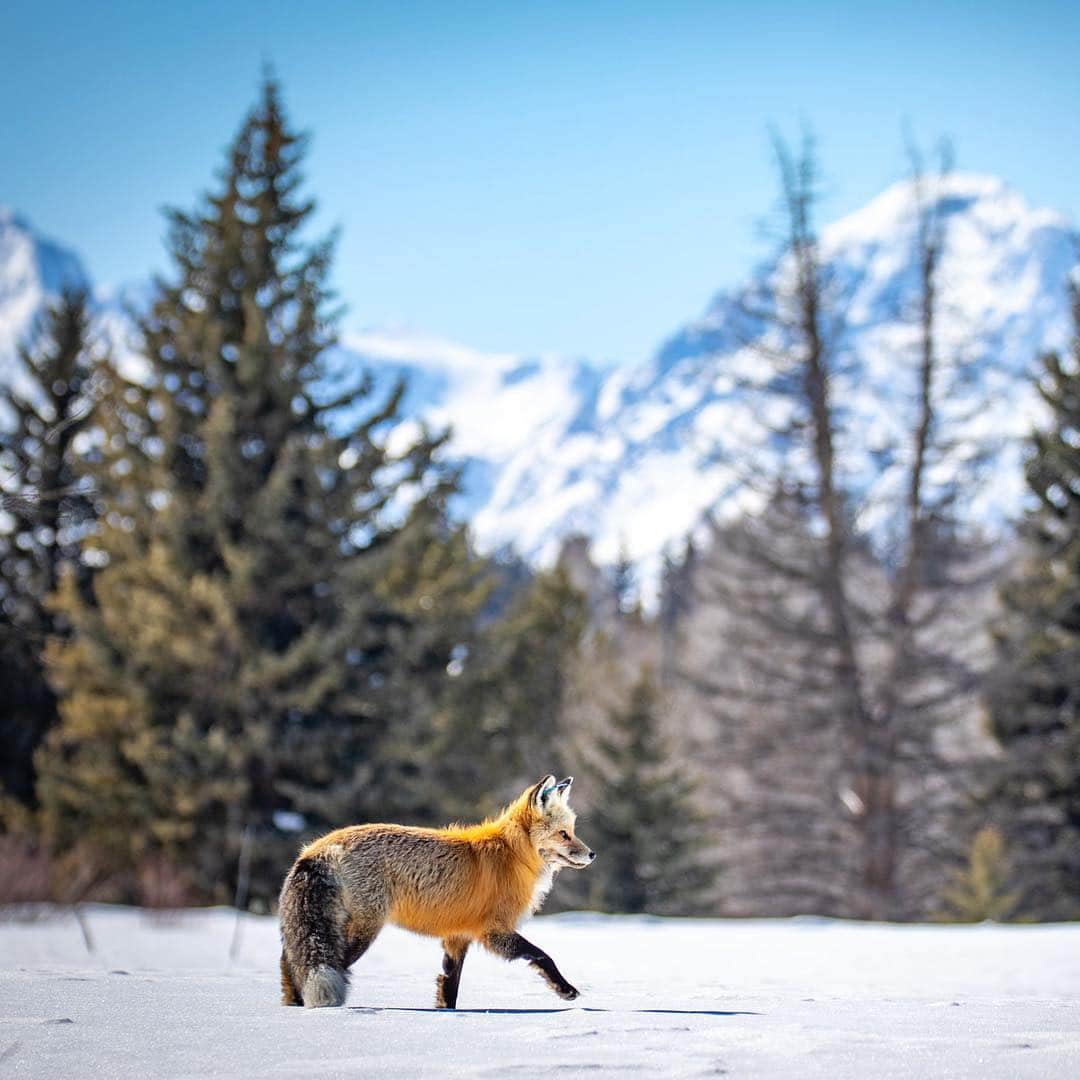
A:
(543, 792)
(563, 787)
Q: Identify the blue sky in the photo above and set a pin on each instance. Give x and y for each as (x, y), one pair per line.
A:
(577, 177)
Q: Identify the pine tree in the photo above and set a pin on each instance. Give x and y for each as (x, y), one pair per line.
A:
(280, 595)
(676, 589)
(624, 587)
(979, 892)
(46, 508)
(646, 826)
(1036, 693)
(514, 687)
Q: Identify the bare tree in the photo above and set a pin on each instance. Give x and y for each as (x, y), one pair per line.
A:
(841, 648)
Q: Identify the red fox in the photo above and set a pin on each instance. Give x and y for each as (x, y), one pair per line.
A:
(461, 884)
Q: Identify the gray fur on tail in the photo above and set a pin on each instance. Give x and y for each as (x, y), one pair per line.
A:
(324, 986)
(313, 941)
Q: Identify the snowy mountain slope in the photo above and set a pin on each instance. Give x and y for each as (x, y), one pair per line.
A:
(634, 456)
(502, 408)
(32, 269)
(662, 439)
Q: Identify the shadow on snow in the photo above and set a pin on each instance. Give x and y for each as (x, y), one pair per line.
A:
(530, 1012)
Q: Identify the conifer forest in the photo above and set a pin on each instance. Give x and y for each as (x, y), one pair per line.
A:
(243, 600)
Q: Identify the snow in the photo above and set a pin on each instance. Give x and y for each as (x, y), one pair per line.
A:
(159, 996)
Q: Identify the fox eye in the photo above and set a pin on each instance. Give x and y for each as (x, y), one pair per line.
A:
(565, 835)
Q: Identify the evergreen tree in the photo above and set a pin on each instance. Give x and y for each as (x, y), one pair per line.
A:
(624, 586)
(511, 710)
(280, 595)
(676, 588)
(46, 509)
(1036, 693)
(646, 827)
(979, 892)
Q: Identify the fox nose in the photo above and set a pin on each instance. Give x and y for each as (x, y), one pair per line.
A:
(592, 855)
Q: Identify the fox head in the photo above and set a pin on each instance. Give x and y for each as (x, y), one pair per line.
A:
(551, 824)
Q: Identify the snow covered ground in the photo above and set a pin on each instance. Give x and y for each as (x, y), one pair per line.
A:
(158, 996)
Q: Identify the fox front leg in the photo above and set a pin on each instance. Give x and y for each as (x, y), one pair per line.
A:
(514, 947)
(446, 984)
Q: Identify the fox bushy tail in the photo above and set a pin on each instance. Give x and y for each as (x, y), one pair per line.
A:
(313, 937)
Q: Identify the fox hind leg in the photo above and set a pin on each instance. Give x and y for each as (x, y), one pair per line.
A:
(446, 984)
(327, 984)
(513, 946)
(290, 995)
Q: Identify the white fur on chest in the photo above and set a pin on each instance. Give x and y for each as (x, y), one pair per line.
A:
(543, 887)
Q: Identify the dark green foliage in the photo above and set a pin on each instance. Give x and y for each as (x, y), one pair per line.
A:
(510, 711)
(47, 510)
(650, 839)
(280, 595)
(1036, 691)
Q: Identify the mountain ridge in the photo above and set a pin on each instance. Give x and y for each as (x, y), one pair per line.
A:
(635, 456)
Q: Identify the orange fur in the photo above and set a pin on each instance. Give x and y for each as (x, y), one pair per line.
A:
(463, 883)
(491, 889)
(494, 892)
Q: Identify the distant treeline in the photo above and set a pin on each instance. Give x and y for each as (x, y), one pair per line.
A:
(236, 613)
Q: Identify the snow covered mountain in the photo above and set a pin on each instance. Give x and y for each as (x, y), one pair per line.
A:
(32, 268)
(633, 456)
